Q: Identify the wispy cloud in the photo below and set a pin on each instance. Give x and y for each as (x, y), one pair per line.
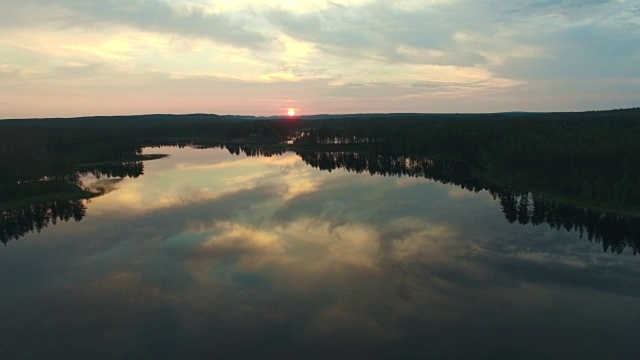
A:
(319, 55)
(180, 18)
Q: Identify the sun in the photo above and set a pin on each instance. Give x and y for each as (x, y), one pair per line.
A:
(291, 112)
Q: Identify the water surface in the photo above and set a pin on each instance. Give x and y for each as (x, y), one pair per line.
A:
(214, 255)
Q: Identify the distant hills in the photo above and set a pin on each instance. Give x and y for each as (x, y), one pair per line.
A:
(199, 117)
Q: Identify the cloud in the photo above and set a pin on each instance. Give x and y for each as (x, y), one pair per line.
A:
(181, 19)
(435, 33)
(258, 57)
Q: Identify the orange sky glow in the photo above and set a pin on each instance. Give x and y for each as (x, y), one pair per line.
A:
(249, 57)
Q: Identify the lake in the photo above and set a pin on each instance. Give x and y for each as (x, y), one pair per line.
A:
(210, 254)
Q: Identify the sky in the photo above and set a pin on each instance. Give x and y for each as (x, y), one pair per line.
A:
(61, 58)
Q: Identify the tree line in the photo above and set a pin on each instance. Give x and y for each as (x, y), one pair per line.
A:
(593, 156)
(589, 157)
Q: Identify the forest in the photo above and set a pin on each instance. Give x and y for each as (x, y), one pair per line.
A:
(592, 157)
(589, 160)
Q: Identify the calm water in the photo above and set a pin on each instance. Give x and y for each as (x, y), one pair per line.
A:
(213, 255)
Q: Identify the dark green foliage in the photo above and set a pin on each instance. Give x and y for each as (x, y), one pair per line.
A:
(591, 158)
(594, 156)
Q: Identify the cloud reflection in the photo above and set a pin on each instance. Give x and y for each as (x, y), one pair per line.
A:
(344, 261)
(184, 182)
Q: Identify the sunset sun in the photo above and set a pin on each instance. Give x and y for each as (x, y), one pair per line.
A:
(291, 112)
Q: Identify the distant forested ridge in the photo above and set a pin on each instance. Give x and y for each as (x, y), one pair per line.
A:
(589, 157)
(577, 171)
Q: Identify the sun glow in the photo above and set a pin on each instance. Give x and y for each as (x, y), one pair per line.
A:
(291, 112)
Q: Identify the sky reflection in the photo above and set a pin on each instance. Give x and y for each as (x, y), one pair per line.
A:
(210, 254)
